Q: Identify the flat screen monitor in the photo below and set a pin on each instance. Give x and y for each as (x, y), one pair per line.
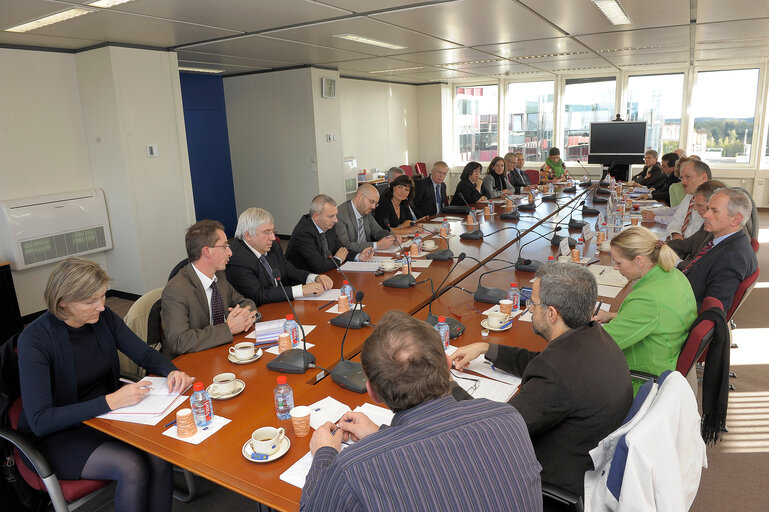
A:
(617, 144)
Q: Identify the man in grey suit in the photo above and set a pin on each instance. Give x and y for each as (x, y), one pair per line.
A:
(356, 227)
(200, 309)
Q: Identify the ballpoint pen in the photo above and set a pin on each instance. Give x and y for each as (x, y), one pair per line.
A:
(600, 303)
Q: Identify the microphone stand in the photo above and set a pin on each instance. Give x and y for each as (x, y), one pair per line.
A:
(532, 265)
(456, 328)
(354, 318)
(346, 373)
(400, 280)
(471, 235)
(296, 360)
(443, 254)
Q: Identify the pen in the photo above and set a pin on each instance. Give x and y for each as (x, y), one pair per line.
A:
(126, 381)
(169, 424)
(327, 304)
(600, 303)
(337, 428)
(601, 272)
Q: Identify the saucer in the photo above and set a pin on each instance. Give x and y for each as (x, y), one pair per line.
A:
(428, 249)
(239, 390)
(235, 360)
(485, 325)
(247, 451)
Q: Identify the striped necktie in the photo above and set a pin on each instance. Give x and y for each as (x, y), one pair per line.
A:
(361, 230)
(688, 217)
(700, 254)
(268, 268)
(217, 305)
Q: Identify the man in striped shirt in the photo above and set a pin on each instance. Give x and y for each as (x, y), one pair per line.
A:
(433, 444)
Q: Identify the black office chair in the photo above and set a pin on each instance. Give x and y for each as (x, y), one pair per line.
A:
(557, 499)
(178, 267)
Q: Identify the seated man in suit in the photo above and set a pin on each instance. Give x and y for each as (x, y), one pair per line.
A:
(408, 466)
(576, 391)
(662, 192)
(255, 256)
(357, 229)
(687, 248)
(515, 173)
(430, 194)
(651, 175)
(314, 241)
(726, 260)
(393, 172)
(200, 309)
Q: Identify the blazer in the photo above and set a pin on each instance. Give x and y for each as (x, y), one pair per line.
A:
(424, 197)
(250, 278)
(662, 192)
(688, 248)
(347, 228)
(186, 318)
(47, 371)
(651, 176)
(385, 213)
(721, 270)
(518, 178)
(488, 188)
(304, 248)
(468, 191)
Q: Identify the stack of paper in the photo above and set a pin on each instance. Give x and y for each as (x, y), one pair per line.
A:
(267, 332)
(153, 407)
(328, 295)
(360, 266)
(608, 276)
(481, 387)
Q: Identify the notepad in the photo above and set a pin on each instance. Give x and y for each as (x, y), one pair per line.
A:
(481, 387)
(328, 295)
(360, 266)
(270, 330)
(155, 402)
(608, 276)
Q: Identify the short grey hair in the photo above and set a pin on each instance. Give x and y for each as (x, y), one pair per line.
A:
(739, 202)
(393, 172)
(251, 219)
(319, 201)
(511, 157)
(652, 152)
(571, 289)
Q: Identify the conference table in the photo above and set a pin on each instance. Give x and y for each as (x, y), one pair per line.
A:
(219, 458)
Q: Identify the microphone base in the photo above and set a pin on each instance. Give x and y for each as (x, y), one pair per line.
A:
(529, 207)
(604, 183)
(359, 319)
(577, 224)
(295, 360)
(600, 200)
(556, 240)
(532, 266)
(489, 295)
(349, 375)
(472, 235)
(551, 198)
(589, 211)
(510, 216)
(456, 328)
(455, 209)
(602, 191)
(585, 184)
(569, 190)
(442, 255)
(400, 281)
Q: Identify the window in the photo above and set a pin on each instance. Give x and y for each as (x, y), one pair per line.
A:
(656, 99)
(585, 101)
(723, 107)
(476, 123)
(529, 108)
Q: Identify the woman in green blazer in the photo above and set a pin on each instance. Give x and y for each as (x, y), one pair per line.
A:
(654, 319)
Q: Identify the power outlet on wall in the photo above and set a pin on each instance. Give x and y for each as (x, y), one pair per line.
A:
(152, 151)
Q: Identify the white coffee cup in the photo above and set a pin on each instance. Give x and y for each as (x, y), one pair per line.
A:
(497, 320)
(429, 244)
(605, 246)
(389, 264)
(266, 440)
(243, 351)
(224, 384)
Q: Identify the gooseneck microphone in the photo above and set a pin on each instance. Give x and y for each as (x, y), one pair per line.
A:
(527, 265)
(471, 235)
(440, 255)
(400, 280)
(589, 182)
(354, 319)
(456, 328)
(346, 373)
(573, 188)
(296, 360)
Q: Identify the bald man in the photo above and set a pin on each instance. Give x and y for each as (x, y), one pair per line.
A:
(357, 229)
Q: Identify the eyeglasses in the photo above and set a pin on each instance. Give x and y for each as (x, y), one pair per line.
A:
(476, 382)
(375, 203)
(530, 305)
(226, 246)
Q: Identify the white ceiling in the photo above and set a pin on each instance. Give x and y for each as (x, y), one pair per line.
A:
(444, 39)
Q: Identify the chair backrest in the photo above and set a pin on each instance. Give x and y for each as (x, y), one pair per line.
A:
(754, 243)
(699, 338)
(533, 175)
(381, 187)
(178, 267)
(144, 320)
(421, 168)
(10, 388)
(752, 223)
(407, 169)
(743, 290)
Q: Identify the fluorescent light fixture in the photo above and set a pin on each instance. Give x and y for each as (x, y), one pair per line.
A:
(106, 4)
(614, 11)
(49, 20)
(368, 40)
(396, 70)
(201, 70)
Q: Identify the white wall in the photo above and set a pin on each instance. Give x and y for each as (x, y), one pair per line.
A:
(327, 122)
(435, 123)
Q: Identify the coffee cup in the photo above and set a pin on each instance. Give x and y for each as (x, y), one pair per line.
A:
(300, 419)
(266, 440)
(635, 219)
(429, 244)
(506, 306)
(497, 320)
(243, 351)
(389, 265)
(224, 384)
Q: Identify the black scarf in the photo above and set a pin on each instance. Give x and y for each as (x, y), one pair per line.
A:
(499, 181)
(715, 379)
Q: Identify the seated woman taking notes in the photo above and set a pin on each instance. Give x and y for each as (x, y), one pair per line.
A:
(469, 186)
(654, 319)
(69, 369)
(395, 209)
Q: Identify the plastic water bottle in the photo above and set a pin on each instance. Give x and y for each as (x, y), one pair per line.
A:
(605, 230)
(446, 225)
(292, 328)
(443, 331)
(585, 178)
(347, 290)
(618, 220)
(201, 404)
(550, 188)
(581, 247)
(418, 242)
(514, 295)
(284, 398)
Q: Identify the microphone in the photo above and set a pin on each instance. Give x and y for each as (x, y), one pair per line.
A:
(456, 328)
(602, 191)
(400, 280)
(471, 235)
(443, 254)
(346, 373)
(490, 295)
(528, 207)
(532, 265)
(296, 360)
(354, 318)
(572, 189)
(585, 184)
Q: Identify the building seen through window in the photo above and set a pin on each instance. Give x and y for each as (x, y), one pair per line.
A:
(585, 100)
(529, 116)
(657, 100)
(476, 123)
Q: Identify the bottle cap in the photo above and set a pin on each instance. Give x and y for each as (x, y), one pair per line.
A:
(550, 258)
(513, 285)
(198, 386)
(581, 239)
(282, 379)
(345, 282)
(441, 319)
(289, 317)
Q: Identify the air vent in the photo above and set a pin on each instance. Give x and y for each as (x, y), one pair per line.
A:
(56, 247)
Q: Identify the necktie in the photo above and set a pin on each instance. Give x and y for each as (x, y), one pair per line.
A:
(361, 230)
(217, 306)
(324, 245)
(688, 216)
(438, 199)
(268, 268)
(700, 254)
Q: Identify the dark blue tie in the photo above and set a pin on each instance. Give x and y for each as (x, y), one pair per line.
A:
(438, 199)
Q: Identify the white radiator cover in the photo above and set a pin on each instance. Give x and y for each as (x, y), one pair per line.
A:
(46, 229)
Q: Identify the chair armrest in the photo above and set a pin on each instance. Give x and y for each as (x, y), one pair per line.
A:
(643, 375)
(25, 446)
(561, 495)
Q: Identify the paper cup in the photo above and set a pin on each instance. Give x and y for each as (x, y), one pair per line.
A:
(506, 306)
(300, 419)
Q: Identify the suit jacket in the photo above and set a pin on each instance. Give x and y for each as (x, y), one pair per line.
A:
(468, 191)
(304, 248)
(518, 178)
(687, 248)
(652, 176)
(662, 192)
(250, 278)
(488, 188)
(721, 270)
(573, 394)
(347, 228)
(186, 317)
(424, 197)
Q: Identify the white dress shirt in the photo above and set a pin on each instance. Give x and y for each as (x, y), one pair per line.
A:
(677, 222)
(206, 282)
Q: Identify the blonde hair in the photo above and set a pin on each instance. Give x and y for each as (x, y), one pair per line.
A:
(73, 280)
(639, 241)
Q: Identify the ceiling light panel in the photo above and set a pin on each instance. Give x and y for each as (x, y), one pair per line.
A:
(367, 40)
(49, 20)
(613, 11)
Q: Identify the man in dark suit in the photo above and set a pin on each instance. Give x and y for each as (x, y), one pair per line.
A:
(576, 391)
(688, 248)
(430, 195)
(314, 241)
(651, 175)
(200, 309)
(662, 192)
(255, 256)
(726, 260)
(357, 229)
(514, 169)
